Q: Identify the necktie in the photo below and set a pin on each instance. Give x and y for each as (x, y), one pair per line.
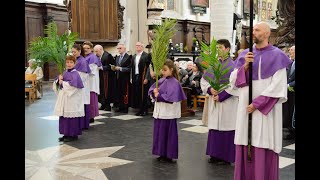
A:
(120, 59)
(292, 67)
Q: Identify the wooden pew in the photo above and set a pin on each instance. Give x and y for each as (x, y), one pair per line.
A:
(196, 99)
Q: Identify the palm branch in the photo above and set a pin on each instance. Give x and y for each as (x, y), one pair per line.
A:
(213, 65)
(52, 48)
(160, 45)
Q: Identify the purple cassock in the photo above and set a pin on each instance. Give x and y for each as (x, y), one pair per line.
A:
(83, 66)
(71, 126)
(91, 58)
(165, 132)
(220, 144)
(265, 162)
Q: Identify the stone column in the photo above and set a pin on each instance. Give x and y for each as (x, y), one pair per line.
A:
(221, 17)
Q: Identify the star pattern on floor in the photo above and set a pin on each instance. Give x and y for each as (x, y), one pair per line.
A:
(67, 162)
(196, 126)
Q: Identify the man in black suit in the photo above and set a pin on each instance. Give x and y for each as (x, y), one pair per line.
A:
(288, 106)
(140, 84)
(106, 77)
(122, 69)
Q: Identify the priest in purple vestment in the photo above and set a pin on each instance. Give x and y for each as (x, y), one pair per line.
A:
(269, 91)
(69, 105)
(167, 109)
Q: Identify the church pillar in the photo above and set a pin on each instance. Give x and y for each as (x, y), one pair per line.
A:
(221, 17)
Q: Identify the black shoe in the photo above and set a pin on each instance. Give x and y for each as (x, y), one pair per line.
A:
(125, 111)
(108, 108)
(138, 113)
(117, 110)
(70, 138)
(102, 107)
(223, 163)
(169, 160)
(213, 160)
(61, 138)
(92, 120)
(144, 114)
(162, 159)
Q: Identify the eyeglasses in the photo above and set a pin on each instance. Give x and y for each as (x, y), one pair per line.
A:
(86, 48)
(119, 48)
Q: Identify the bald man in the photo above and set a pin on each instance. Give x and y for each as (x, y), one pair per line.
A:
(106, 76)
(269, 91)
(139, 79)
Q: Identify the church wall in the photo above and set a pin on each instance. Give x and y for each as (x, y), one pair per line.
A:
(37, 15)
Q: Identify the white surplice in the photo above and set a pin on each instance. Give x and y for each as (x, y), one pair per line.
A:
(94, 78)
(266, 129)
(69, 102)
(163, 110)
(223, 116)
(86, 88)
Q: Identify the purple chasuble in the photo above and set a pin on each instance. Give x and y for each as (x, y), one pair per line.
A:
(93, 59)
(272, 59)
(82, 65)
(169, 89)
(73, 78)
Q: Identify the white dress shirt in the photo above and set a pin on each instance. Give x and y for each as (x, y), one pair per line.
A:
(137, 60)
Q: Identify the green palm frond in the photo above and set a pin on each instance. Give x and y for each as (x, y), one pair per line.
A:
(52, 48)
(160, 45)
(212, 65)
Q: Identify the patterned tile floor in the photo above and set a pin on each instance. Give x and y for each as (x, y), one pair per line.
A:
(118, 146)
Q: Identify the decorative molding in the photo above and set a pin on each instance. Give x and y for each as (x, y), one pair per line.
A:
(120, 19)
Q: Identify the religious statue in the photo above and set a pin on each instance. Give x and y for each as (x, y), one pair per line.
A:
(286, 21)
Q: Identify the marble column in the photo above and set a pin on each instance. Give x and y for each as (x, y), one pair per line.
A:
(221, 17)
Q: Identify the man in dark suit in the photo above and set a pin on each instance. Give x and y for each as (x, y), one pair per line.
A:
(288, 106)
(122, 69)
(106, 77)
(140, 84)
